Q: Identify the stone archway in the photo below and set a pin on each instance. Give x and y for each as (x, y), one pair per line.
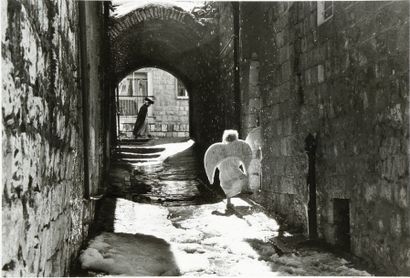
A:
(176, 41)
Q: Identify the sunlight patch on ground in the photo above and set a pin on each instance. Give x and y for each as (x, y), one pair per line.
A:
(238, 202)
(170, 150)
(132, 217)
(174, 148)
(199, 239)
(195, 241)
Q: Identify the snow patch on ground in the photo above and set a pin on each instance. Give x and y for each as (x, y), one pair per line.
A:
(189, 263)
(130, 255)
(314, 263)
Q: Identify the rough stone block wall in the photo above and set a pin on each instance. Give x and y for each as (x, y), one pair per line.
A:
(170, 115)
(251, 37)
(207, 109)
(226, 69)
(207, 119)
(44, 215)
(251, 97)
(347, 82)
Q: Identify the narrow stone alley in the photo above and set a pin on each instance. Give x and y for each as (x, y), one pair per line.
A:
(147, 173)
(128, 127)
(160, 219)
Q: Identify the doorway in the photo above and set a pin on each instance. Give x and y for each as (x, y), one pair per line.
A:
(310, 148)
(341, 210)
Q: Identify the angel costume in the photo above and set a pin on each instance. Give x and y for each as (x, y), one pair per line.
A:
(228, 157)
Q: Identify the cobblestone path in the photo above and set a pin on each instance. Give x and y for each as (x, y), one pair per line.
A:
(159, 219)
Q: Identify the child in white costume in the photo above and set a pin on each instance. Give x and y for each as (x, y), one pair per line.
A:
(232, 157)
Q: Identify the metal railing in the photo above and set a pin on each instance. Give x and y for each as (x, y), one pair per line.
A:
(128, 105)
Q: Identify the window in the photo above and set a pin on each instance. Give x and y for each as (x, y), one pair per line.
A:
(324, 11)
(181, 91)
(134, 85)
(140, 84)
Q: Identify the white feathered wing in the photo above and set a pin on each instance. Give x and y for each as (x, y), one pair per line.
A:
(228, 157)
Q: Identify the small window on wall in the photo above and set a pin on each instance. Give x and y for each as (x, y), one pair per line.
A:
(140, 84)
(324, 11)
(181, 91)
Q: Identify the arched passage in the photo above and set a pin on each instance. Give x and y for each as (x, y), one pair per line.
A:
(174, 40)
(168, 117)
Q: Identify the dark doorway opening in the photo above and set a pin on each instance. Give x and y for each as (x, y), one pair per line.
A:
(310, 148)
(341, 211)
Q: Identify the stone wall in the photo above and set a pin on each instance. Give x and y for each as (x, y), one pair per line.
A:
(251, 38)
(170, 115)
(245, 116)
(44, 215)
(226, 59)
(227, 67)
(95, 96)
(345, 82)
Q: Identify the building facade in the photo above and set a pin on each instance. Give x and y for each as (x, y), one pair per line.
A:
(329, 82)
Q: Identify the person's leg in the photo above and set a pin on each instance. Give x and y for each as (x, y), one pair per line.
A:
(229, 205)
(140, 131)
(144, 130)
(137, 130)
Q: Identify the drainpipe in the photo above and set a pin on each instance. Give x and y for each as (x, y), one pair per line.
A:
(236, 57)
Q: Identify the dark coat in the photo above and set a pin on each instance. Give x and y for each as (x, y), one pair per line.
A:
(139, 123)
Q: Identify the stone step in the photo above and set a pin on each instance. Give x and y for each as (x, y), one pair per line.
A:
(133, 141)
(134, 155)
(139, 150)
(136, 160)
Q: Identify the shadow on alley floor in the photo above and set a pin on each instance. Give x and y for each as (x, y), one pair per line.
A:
(159, 219)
